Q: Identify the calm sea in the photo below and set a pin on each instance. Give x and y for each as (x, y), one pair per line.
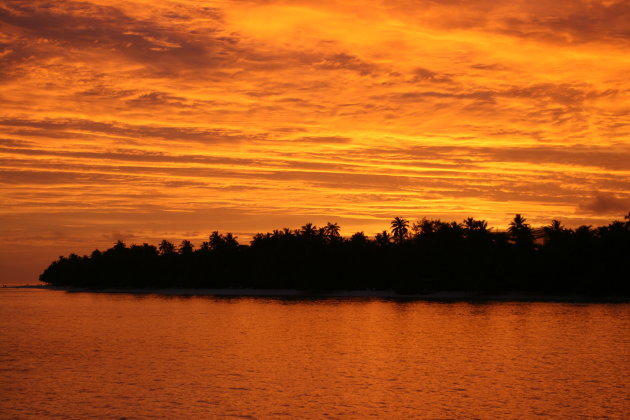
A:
(82, 355)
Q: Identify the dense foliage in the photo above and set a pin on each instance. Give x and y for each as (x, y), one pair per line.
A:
(429, 255)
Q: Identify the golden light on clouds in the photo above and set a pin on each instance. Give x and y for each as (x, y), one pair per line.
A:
(140, 121)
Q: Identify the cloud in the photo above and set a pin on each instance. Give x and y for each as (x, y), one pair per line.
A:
(133, 155)
(69, 128)
(158, 99)
(606, 157)
(571, 22)
(487, 96)
(345, 61)
(575, 155)
(559, 22)
(606, 204)
(105, 92)
(489, 67)
(545, 94)
(424, 75)
(324, 139)
(76, 30)
(16, 143)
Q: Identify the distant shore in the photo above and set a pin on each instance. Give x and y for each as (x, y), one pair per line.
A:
(521, 263)
(443, 296)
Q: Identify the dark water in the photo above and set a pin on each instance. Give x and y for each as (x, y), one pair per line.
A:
(85, 355)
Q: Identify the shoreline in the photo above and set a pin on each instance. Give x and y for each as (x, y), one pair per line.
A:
(437, 296)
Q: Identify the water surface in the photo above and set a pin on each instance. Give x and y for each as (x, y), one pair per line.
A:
(82, 355)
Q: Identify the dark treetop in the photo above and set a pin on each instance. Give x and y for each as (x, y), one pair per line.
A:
(429, 255)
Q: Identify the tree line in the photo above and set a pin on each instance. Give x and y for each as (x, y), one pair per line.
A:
(424, 256)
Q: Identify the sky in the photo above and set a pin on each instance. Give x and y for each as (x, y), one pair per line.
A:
(141, 120)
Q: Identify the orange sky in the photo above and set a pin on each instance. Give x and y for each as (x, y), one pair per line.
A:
(136, 121)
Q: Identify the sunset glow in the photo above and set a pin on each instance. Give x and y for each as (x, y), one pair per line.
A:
(141, 120)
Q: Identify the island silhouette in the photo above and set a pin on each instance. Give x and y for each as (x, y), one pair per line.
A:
(421, 257)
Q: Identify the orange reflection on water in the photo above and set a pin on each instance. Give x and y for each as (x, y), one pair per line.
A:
(81, 355)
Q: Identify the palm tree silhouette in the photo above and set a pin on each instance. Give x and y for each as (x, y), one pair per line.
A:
(400, 227)
(230, 240)
(166, 247)
(554, 231)
(308, 231)
(554, 227)
(186, 247)
(359, 238)
(471, 225)
(331, 231)
(517, 224)
(215, 240)
(520, 231)
(383, 238)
